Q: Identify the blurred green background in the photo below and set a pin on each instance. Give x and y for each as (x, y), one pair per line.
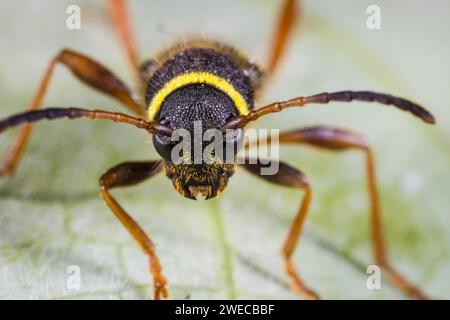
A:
(51, 214)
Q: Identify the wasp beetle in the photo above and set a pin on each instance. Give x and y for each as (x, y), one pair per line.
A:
(212, 83)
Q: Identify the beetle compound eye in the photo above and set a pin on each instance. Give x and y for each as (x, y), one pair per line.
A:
(234, 140)
(175, 152)
(163, 146)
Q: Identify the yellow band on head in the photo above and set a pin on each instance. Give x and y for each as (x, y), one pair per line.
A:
(197, 77)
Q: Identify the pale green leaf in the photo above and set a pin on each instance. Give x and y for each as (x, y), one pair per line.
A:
(52, 217)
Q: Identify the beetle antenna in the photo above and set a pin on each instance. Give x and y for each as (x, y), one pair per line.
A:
(74, 113)
(341, 96)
